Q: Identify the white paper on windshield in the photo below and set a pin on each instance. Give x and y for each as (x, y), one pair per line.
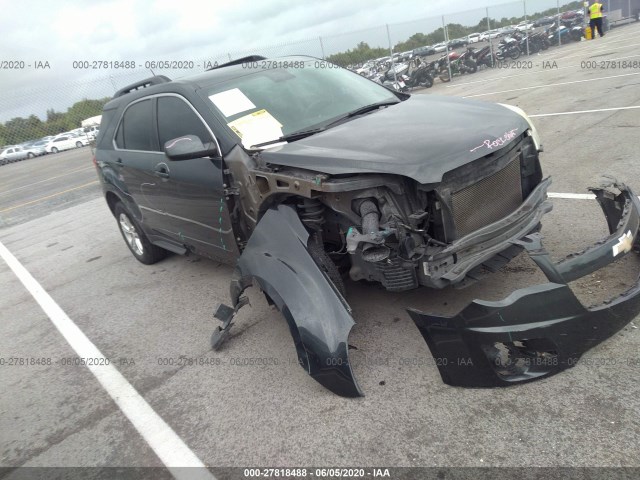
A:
(257, 127)
(231, 102)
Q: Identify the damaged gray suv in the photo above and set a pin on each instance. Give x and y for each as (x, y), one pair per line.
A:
(300, 173)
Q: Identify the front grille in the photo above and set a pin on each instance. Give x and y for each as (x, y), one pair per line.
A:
(488, 200)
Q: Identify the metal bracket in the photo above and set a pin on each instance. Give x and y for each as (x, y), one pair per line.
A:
(231, 191)
(225, 314)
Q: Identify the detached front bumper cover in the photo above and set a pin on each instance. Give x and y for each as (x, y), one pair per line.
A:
(541, 330)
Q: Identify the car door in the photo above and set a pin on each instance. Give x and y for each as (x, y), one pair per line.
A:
(19, 153)
(135, 157)
(59, 143)
(197, 202)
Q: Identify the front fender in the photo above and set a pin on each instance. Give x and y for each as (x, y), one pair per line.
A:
(277, 260)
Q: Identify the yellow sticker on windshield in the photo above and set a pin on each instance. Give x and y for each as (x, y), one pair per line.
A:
(257, 127)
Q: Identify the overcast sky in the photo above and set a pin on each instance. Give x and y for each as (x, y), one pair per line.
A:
(73, 30)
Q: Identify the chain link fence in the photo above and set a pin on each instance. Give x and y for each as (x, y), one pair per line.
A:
(29, 115)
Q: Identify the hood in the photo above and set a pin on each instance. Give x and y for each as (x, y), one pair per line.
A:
(421, 138)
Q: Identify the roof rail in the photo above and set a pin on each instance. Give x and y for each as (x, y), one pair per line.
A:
(157, 80)
(250, 58)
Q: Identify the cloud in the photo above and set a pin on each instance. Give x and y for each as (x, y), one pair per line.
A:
(108, 30)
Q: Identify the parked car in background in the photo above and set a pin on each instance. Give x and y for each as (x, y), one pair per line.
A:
(82, 136)
(12, 153)
(65, 142)
(440, 47)
(364, 70)
(424, 51)
(34, 149)
(572, 15)
(506, 31)
(406, 56)
(458, 42)
(473, 38)
(92, 131)
(489, 34)
(524, 26)
(543, 21)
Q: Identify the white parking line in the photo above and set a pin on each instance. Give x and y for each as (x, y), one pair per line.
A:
(572, 196)
(613, 109)
(552, 85)
(166, 444)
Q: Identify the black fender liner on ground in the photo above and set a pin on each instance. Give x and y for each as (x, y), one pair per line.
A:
(276, 260)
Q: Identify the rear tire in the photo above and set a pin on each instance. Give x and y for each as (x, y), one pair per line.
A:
(30, 155)
(78, 144)
(515, 53)
(135, 238)
(444, 76)
(426, 81)
(54, 150)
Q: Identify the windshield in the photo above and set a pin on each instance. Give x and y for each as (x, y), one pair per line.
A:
(272, 102)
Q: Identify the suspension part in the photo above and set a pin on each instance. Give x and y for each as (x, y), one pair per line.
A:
(311, 212)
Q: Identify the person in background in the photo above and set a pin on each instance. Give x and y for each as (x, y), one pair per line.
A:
(595, 16)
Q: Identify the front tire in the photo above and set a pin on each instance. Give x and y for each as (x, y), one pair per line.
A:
(30, 155)
(515, 53)
(54, 150)
(78, 144)
(135, 238)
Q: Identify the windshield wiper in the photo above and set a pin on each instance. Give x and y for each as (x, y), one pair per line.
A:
(291, 136)
(366, 108)
(306, 133)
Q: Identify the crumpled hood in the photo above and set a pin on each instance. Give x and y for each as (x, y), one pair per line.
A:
(421, 138)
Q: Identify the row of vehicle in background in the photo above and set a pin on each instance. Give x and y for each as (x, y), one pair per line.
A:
(50, 144)
(66, 142)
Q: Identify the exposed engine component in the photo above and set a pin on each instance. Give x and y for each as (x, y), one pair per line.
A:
(374, 249)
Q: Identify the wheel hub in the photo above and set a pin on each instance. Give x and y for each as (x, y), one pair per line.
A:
(130, 234)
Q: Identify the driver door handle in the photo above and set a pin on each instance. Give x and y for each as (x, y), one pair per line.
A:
(162, 170)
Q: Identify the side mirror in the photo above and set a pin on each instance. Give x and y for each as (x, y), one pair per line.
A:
(189, 146)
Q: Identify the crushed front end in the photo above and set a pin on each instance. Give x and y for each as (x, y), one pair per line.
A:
(451, 232)
(541, 330)
(301, 231)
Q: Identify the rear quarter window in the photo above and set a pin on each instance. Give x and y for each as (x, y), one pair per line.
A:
(135, 129)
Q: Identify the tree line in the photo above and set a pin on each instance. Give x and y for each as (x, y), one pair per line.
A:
(20, 129)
